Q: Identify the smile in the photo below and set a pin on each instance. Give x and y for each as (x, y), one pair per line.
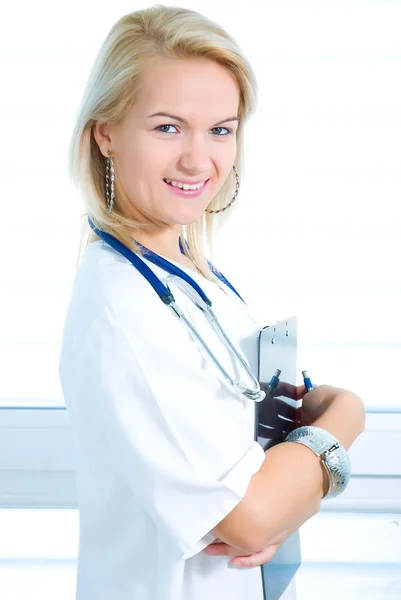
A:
(186, 191)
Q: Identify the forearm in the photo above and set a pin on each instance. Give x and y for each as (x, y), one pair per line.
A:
(344, 418)
(293, 480)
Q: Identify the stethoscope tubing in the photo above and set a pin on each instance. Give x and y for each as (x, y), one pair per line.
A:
(154, 281)
(167, 297)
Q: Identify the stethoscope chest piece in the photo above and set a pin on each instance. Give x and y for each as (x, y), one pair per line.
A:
(191, 289)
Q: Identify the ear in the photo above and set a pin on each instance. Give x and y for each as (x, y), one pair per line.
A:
(101, 133)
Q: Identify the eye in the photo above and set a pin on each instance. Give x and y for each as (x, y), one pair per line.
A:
(159, 128)
(229, 131)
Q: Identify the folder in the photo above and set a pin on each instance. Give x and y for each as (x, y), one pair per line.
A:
(277, 355)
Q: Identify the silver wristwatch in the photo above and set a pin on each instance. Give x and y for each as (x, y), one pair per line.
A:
(334, 456)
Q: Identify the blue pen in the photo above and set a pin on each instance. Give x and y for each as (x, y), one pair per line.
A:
(307, 381)
(274, 380)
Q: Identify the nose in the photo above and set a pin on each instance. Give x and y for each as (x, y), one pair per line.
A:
(195, 157)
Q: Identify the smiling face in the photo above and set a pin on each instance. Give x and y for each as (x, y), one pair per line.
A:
(146, 150)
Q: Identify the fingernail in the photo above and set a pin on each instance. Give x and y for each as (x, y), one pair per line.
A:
(237, 563)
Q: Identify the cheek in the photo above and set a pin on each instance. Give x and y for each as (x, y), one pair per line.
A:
(226, 158)
(140, 170)
(150, 163)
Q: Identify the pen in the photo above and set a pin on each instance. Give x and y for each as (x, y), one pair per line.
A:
(307, 381)
(274, 380)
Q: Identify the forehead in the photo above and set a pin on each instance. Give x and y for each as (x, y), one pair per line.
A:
(194, 89)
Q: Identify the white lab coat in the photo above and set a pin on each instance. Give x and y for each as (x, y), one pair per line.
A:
(164, 449)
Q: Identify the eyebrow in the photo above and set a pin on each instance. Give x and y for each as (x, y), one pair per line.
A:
(162, 114)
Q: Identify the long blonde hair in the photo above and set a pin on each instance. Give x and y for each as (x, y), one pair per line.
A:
(133, 42)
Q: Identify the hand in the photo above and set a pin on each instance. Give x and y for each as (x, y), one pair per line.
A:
(316, 402)
(220, 548)
(282, 418)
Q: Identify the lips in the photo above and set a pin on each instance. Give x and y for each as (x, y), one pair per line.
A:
(177, 191)
(168, 183)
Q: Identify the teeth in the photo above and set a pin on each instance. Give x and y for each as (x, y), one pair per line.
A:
(184, 186)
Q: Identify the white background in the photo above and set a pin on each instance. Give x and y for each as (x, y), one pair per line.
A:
(316, 231)
(317, 228)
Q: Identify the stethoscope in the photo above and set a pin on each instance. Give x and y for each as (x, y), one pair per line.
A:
(189, 287)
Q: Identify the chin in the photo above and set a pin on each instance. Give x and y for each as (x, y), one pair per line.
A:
(187, 217)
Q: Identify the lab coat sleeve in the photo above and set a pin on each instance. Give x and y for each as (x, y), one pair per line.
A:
(156, 430)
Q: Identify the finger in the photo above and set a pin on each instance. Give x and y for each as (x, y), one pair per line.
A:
(221, 549)
(255, 560)
(294, 392)
(303, 419)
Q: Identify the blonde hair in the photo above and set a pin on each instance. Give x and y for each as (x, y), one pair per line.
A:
(134, 41)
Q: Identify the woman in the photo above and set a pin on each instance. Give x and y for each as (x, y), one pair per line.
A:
(165, 451)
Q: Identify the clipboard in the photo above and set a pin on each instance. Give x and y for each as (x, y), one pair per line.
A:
(277, 354)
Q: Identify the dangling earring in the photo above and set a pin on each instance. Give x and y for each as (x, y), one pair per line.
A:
(109, 183)
(233, 198)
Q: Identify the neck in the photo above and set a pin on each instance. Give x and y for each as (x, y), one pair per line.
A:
(167, 246)
(165, 243)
